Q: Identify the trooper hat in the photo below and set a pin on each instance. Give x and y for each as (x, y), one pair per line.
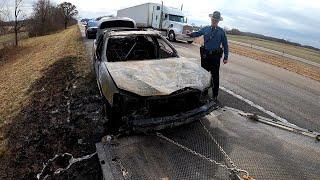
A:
(216, 16)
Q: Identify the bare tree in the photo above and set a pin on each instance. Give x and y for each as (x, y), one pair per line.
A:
(17, 24)
(46, 18)
(4, 15)
(41, 13)
(69, 11)
(43, 9)
(1, 21)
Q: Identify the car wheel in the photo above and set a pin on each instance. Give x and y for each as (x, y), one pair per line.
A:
(190, 42)
(172, 36)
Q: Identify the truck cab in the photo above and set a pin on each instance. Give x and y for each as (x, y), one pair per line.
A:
(173, 21)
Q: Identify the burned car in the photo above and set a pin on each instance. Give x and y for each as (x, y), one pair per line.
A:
(145, 83)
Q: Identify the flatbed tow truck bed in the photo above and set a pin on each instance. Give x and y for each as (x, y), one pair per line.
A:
(265, 148)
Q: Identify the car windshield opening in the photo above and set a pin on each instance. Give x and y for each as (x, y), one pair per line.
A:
(138, 47)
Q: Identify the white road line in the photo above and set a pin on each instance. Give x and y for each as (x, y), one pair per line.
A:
(255, 105)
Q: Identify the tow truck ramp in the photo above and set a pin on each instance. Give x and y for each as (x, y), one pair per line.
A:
(215, 147)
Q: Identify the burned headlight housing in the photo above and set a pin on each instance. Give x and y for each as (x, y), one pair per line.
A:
(127, 102)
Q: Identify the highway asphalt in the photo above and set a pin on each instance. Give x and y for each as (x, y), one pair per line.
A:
(271, 91)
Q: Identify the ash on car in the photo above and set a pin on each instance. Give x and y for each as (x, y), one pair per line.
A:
(146, 84)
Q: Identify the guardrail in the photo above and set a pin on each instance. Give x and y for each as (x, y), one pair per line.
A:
(283, 54)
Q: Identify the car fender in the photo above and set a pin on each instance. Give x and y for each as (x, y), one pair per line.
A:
(107, 85)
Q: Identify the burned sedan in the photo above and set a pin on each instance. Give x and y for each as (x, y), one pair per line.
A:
(146, 84)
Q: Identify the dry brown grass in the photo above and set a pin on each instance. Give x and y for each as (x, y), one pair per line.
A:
(286, 63)
(289, 64)
(27, 64)
(306, 53)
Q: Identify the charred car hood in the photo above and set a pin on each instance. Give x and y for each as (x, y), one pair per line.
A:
(158, 77)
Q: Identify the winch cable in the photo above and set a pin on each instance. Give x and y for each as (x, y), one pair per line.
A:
(234, 171)
(281, 125)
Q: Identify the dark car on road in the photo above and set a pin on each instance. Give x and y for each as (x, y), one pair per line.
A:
(144, 82)
(91, 29)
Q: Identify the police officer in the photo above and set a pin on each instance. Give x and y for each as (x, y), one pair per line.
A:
(211, 52)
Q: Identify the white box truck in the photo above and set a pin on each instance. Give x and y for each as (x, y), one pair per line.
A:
(170, 21)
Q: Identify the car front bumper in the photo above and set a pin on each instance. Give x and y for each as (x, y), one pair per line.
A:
(159, 123)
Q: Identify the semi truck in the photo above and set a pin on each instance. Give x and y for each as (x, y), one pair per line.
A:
(171, 22)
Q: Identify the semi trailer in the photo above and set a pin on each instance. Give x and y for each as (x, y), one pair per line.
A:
(171, 22)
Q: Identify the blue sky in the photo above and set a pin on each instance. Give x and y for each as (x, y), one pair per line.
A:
(294, 20)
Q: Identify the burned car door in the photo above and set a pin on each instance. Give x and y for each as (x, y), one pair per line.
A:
(105, 82)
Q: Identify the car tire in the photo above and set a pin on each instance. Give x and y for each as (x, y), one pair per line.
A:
(172, 36)
(190, 42)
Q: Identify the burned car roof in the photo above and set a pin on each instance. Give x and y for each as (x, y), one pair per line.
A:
(158, 77)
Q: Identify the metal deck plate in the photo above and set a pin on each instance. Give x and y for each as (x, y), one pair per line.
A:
(264, 151)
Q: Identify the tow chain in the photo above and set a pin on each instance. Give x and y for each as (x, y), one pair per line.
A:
(235, 172)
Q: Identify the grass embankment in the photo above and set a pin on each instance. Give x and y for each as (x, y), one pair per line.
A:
(10, 37)
(302, 52)
(50, 105)
(277, 60)
(26, 64)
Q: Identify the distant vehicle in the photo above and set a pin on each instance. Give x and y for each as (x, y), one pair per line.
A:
(91, 29)
(113, 23)
(84, 21)
(170, 21)
(146, 84)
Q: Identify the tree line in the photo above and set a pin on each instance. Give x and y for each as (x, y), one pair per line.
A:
(46, 18)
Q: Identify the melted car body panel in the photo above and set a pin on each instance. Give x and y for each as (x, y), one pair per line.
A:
(158, 77)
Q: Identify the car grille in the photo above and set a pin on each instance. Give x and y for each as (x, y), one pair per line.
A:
(176, 103)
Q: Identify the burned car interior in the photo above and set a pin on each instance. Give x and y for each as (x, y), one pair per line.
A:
(138, 47)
